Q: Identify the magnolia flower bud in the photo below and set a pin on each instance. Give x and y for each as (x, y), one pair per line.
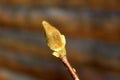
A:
(55, 40)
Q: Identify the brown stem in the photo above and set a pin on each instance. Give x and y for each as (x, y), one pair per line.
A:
(70, 68)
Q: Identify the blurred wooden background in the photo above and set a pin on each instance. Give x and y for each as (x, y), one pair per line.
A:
(91, 27)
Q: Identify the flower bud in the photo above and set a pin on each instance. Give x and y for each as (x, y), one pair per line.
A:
(55, 40)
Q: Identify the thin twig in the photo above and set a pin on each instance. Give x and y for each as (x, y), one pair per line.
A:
(70, 68)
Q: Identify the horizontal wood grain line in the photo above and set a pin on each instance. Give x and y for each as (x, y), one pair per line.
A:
(37, 71)
(6, 74)
(93, 4)
(70, 23)
(23, 48)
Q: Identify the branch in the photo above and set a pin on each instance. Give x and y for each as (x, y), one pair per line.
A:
(56, 42)
(69, 67)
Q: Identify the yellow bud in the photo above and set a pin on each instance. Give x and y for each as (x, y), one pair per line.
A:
(55, 40)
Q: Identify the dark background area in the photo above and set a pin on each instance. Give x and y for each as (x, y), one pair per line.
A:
(91, 27)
